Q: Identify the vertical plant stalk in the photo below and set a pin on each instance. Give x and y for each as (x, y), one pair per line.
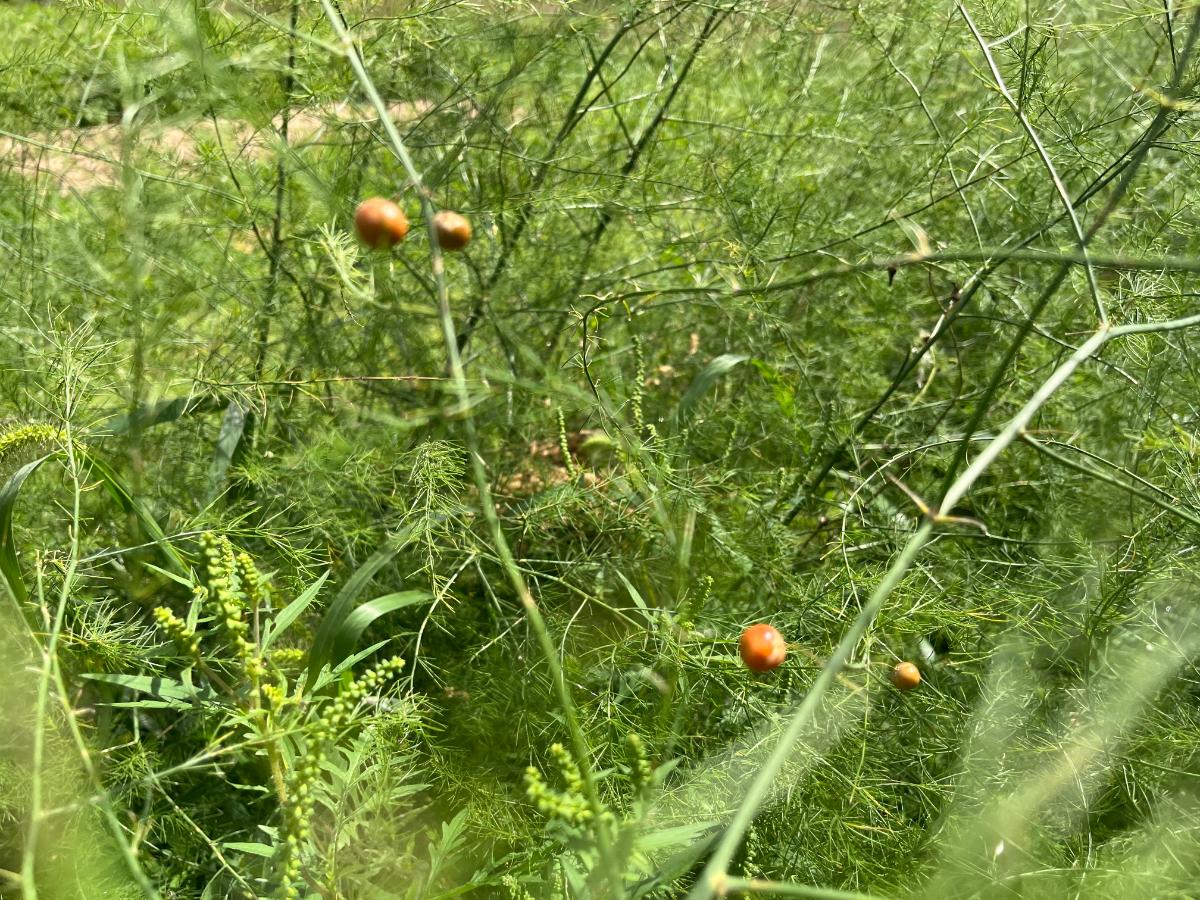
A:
(50, 675)
(131, 188)
(487, 506)
(271, 301)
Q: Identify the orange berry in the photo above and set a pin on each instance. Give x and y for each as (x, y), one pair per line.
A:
(380, 223)
(762, 647)
(453, 230)
(905, 676)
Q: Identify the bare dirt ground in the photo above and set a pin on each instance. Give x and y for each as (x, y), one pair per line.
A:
(83, 159)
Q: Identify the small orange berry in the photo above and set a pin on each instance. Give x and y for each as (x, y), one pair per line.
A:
(380, 223)
(453, 230)
(762, 647)
(905, 676)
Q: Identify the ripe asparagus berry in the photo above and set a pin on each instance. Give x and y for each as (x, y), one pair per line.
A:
(453, 230)
(762, 647)
(905, 676)
(380, 223)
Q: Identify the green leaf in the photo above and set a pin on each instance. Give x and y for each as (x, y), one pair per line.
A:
(441, 851)
(232, 427)
(181, 580)
(636, 597)
(256, 849)
(155, 685)
(291, 612)
(150, 414)
(149, 704)
(330, 674)
(679, 863)
(785, 396)
(343, 604)
(672, 836)
(702, 383)
(9, 566)
(358, 621)
(350, 661)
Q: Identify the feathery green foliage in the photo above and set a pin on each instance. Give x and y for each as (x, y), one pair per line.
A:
(331, 572)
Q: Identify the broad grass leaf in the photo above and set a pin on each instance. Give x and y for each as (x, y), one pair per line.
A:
(678, 863)
(343, 604)
(164, 411)
(360, 619)
(636, 597)
(673, 836)
(233, 426)
(9, 566)
(330, 674)
(256, 849)
(160, 686)
(703, 383)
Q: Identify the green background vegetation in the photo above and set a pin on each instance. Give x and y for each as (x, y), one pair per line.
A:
(752, 284)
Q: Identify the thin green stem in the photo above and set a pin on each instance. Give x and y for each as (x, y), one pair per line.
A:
(1046, 161)
(51, 676)
(271, 301)
(783, 889)
(1091, 472)
(33, 826)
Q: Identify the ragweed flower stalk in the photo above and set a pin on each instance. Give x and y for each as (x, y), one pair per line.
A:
(641, 771)
(252, 583)
(27, 436)
(274, 694)
(570, 806)
(181, 634)
(287, 657)
(333, 721)
(564, 446)
(639, 388)
(222, 569)
(695, 602)
(515, 890)
(568, 768)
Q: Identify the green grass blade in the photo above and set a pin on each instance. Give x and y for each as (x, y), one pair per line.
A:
(292, 611)
(703, 382)
(360, 619)
(160, 413)
(233, 426)
(343, 604)
(155, 685)
(9, 566)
